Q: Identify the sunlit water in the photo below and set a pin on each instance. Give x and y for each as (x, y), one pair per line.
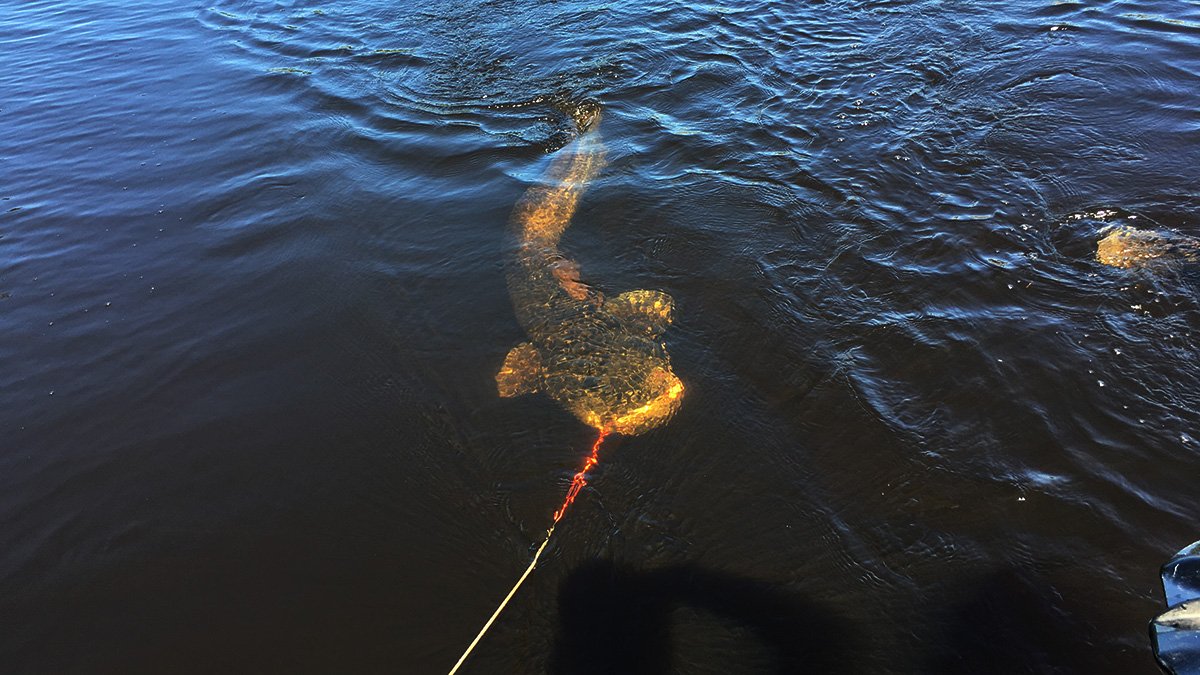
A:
(251, 262)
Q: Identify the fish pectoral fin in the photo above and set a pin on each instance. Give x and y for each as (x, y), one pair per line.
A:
(652, 310)
(521, 372)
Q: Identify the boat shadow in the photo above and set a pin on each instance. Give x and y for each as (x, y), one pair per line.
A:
(615, 619)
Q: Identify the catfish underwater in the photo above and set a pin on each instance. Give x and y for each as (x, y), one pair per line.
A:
(600, 358)
(1128, 247)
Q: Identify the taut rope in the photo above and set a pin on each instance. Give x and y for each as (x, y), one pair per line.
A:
(577, 483)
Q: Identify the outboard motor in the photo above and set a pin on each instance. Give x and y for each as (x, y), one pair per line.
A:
(1176, 632)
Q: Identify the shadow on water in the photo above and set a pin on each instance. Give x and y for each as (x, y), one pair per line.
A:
(616, 619)
(1003, 626)
(1009, 623)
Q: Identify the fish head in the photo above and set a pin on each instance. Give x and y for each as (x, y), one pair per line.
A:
(1184, 616)
(625, 386)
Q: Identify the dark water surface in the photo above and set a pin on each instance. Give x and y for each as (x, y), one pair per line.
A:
(251, 262)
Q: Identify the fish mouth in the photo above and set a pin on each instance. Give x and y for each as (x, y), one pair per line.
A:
(652, 414)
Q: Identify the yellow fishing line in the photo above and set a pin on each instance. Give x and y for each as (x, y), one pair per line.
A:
(577, 483)
(503, 603)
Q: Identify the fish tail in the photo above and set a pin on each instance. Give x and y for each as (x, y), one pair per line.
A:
(546, 209)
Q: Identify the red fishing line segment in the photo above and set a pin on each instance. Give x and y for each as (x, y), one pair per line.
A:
(580, 478)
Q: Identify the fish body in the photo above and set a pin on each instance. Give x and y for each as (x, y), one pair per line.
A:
(1128, 247)
(601, 358)
(1184, 616)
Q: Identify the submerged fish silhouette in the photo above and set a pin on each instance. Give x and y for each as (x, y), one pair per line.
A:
(601, 358)
(1128, 247)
